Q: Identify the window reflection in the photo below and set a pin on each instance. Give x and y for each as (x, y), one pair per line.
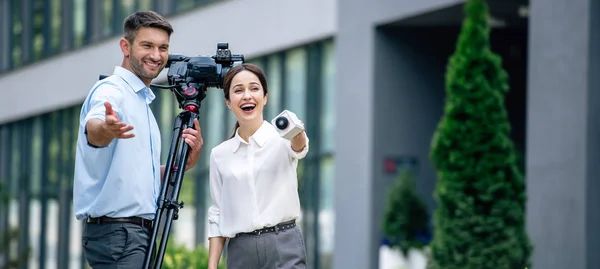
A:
(35, 160)
(328, 95)
(55, 26)
(216, 108)
(273, 74)
(326, 212)
(182, 5)
(79, 22)
(145, 4)
(107, 17)
(295, 82)
(38, 29)
(17, 33)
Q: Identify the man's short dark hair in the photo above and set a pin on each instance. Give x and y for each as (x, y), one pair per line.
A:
(140, 19)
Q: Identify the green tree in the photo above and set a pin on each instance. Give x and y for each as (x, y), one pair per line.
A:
(480, 219)
(405, 219)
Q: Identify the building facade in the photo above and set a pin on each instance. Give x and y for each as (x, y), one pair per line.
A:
(367, 78)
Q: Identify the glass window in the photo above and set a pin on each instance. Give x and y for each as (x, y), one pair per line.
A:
(108, 14)
(145, 4)
(328, 99)
(257, 61)
(182, 5)
(215, 107)
(55, 18)
(79, 23)
(38, 29)
(53, 151)
(326, 212)
(126, 7)
(229, 115)
(4, 149)
(36, 157)
(17, 32)
(166, 117)
(273, 74)
(295, 82)
(15, 158)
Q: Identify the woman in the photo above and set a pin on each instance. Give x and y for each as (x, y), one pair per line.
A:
(253, 183)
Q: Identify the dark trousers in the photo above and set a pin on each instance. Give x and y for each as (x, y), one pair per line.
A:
(282, 250)
(115, 245)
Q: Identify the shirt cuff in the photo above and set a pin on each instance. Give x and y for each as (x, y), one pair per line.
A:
(213, 229)
(88, 141)
(301, 154)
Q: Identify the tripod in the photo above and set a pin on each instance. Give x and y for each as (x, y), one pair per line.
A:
(168, 205)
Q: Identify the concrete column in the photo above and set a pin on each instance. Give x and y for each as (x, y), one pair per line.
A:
(354, 138)
(563, 134)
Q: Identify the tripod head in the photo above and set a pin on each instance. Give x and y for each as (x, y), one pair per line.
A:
(189, 77)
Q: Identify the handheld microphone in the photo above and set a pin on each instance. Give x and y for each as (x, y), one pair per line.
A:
(287, 124)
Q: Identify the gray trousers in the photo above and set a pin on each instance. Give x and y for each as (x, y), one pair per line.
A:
(115, 245)
(283, 250)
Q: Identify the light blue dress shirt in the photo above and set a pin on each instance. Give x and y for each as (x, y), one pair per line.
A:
(123, 178)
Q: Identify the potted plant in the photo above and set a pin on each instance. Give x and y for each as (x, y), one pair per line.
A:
(405, 226)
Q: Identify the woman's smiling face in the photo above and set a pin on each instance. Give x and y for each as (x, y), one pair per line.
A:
(247, 97)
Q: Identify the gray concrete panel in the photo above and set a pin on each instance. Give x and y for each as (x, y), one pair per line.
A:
(353, 138)
(593, 141)
(388, 11)
(558, 131)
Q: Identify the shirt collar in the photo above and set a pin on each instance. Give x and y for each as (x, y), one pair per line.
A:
(260, 136)
(134, 82)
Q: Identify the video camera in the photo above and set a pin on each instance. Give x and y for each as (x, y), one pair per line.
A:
(189, 77)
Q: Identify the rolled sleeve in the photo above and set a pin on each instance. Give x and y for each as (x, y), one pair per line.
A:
(298, 155)
(105, 92)
(216, 184)
(213, 222)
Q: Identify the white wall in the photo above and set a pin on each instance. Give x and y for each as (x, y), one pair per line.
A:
(251, 27)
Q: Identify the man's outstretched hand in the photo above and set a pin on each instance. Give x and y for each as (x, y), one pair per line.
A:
(113, 126)
(101, 132)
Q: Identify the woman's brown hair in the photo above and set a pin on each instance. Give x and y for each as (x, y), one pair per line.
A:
(236, 70)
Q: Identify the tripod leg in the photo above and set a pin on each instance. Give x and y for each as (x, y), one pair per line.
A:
(171, 204)
(175, 140)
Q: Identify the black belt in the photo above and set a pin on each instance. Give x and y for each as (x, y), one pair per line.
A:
(135, 220)
(276, 229)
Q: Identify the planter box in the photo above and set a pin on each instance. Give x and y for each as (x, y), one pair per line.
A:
(394, 259)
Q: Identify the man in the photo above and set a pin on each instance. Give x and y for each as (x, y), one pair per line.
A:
(117, 170)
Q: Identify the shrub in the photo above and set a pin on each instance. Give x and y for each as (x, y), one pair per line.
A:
(480, 219)
(181, 257)
(406, 220)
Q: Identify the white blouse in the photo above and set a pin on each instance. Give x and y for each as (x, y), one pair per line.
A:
(253, 185)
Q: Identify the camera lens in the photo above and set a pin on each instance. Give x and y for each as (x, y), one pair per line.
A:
(281, 123)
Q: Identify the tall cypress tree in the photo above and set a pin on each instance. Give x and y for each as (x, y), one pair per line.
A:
(480, 219)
